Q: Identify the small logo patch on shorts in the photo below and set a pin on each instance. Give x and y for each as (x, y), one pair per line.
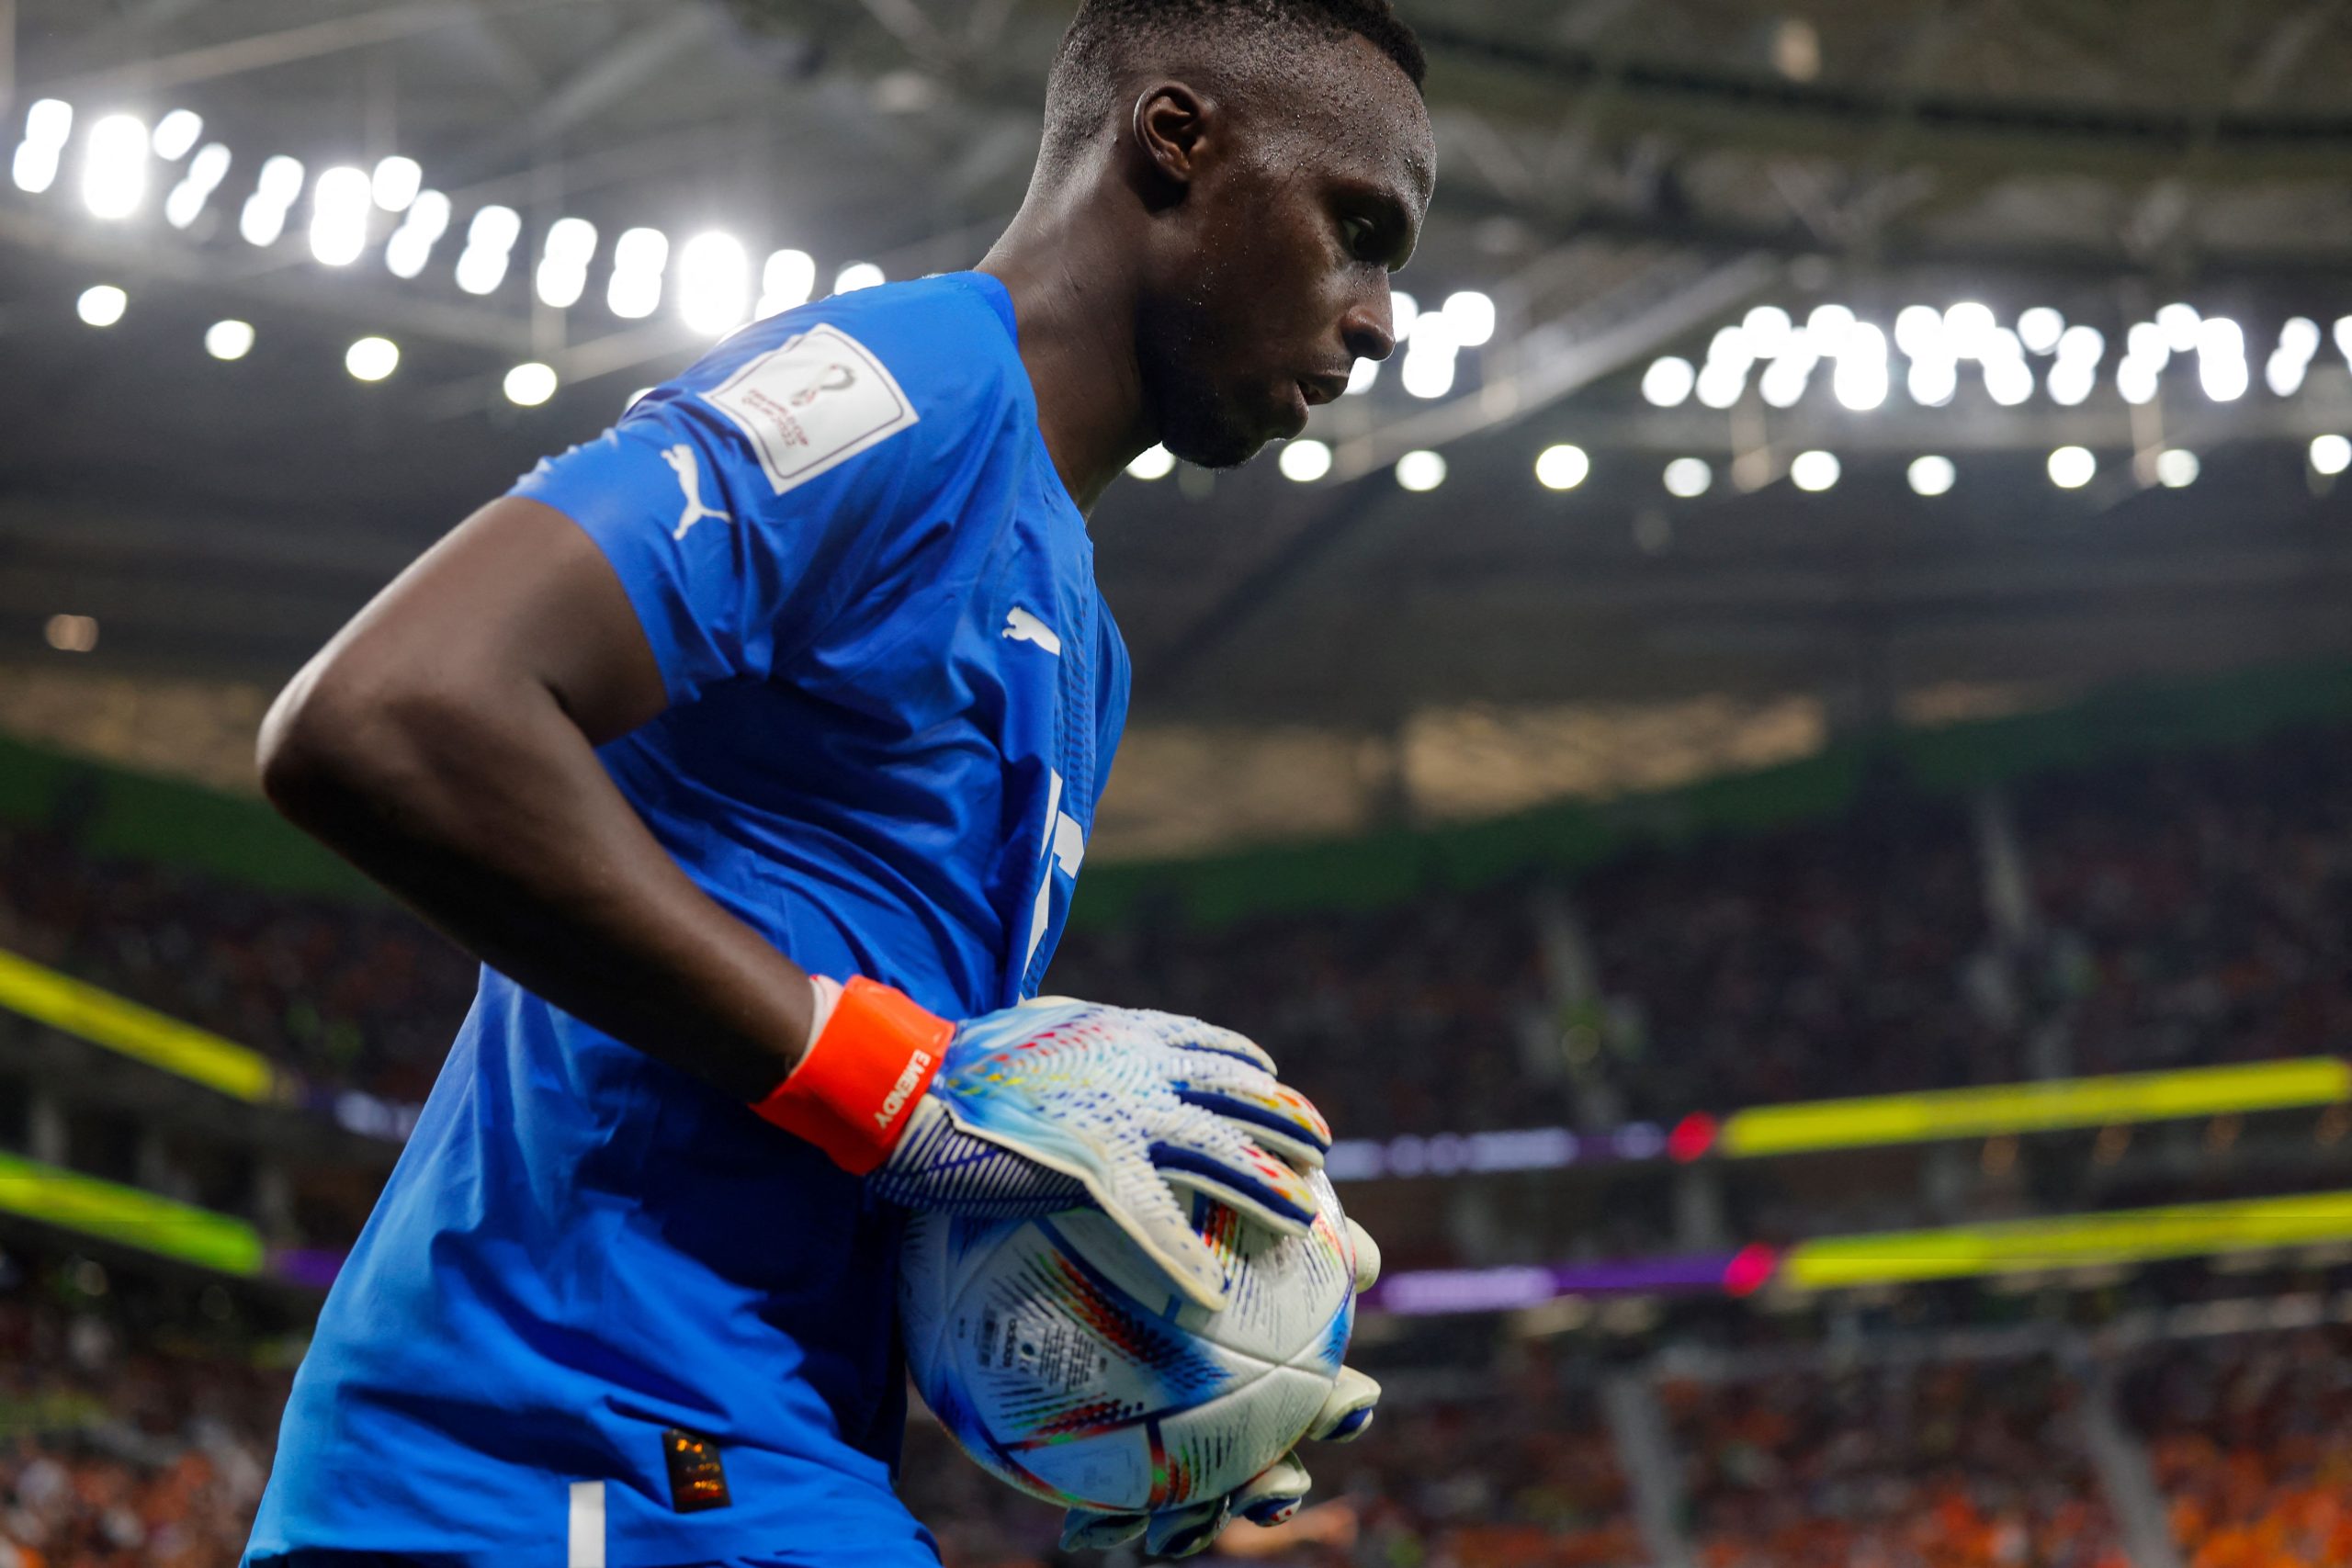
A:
(697, 1481)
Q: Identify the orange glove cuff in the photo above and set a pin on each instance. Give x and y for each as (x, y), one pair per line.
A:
(858, 1081)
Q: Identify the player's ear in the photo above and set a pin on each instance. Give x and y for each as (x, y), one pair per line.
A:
(1171, 129)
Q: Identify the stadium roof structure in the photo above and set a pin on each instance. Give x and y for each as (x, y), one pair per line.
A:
(1620, 183)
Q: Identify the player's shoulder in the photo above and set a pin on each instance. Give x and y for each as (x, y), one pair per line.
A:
(942, 346)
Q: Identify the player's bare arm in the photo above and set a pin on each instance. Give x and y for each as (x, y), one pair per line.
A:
(445, 743)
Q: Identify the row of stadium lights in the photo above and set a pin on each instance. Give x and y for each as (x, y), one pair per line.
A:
(1564, 466)
(713, 296)
(709, 276)
(1936, 344)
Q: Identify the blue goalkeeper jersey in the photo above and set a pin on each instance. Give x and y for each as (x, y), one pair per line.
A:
(603, 1316)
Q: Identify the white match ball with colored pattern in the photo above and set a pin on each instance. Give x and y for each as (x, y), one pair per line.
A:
(1062, 1363)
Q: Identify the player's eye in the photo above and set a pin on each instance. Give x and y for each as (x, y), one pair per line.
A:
(1360, 234)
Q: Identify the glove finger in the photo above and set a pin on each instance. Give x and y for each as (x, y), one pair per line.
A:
(1200, 1154)
(1275, 1494)
(1277, 1116)
(1367, 1253)
(1193, 1035)
(1346, 1409)
(1118, 1173)
(1180, 1532)
(1083, 1529)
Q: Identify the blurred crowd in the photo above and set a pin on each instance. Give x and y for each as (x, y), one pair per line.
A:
(1947, 1466)
(2251, 1437)
(124, 1442)
(2153, 912)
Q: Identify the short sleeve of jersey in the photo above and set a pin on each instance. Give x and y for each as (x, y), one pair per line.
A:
(799, 468)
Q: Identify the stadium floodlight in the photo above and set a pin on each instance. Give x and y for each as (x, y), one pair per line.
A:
(1932, 380)
(2071, 380)
(1968, 327)
(2220, 359)
(1428, 370)
(1304, 459)
(411, 243)
(2283, 373)
(1721, 382)
(1687, 477)
(856, 276)
(1667, 382)
(1816, 470)
(489, 241)
(1405, 313)
(2145, 339)
(114, 166)
(1562, 467)
(639, 257)
(1731, 345)
(47, 125)
(230, 339)
(2331, 454)
(530, 384)
(396, 182)
(2177, 467)
(2008, 381)
(1361, 376)
(2072, 467)
(714, 283)
(1930, 475)
(1766, 330)
(373, 358)
(787, 279)
(1420, 469)
(101, 305)
(1783, 382)
(185, 202)
(563, 274)
(2082, 343)
(1861, 377)
(1153, 463)
(2178, 322)
(1471, 316)
(2299, 334)
(275, 190)
(174, 134)
(1827, 325)
(2135, 379)
(339, 207)
(1920, 331)
(2040, 327)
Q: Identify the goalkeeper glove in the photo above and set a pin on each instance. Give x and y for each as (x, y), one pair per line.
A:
(1268, 1498)
(1041, 1107)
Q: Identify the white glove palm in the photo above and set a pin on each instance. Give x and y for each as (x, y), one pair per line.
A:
(1040, 1107)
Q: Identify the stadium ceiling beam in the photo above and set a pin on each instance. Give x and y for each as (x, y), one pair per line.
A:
(1765, 112)
(287, 46)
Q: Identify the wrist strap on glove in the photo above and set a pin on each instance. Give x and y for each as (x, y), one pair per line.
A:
(859, 1080)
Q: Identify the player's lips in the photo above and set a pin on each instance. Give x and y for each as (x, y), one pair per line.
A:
(1321, 389)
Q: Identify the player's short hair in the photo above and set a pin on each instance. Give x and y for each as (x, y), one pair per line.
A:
(1110, 40)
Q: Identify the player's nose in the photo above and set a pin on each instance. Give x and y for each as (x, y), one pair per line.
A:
(1368, 328)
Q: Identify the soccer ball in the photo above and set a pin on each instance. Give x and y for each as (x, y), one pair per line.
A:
(1062, 1362)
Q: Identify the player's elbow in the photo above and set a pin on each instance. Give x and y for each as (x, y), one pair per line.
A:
(343, 742)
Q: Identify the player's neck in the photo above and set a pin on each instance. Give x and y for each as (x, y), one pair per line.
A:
(1074, 305)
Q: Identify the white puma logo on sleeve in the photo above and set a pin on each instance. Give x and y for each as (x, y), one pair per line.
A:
(1022, 626)
(680, 460)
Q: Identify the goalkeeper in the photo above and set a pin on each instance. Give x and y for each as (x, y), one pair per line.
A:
(754, 747)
